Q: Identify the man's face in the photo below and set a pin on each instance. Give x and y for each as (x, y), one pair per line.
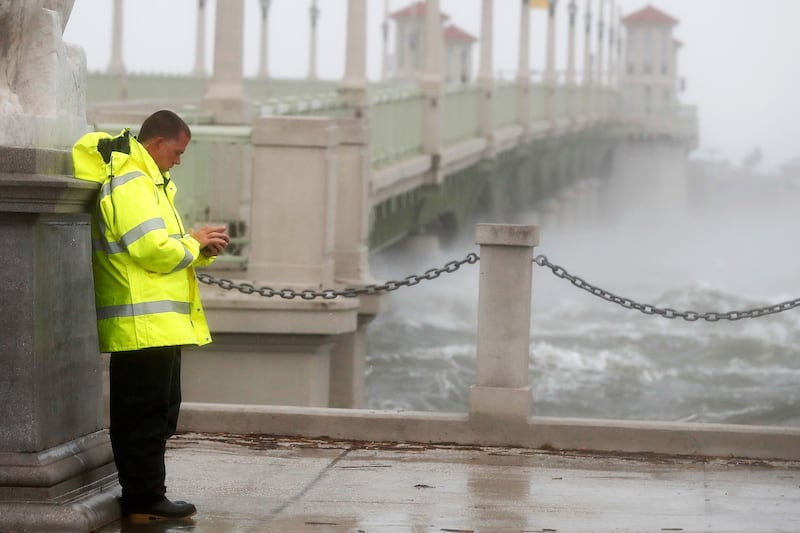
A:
(167, 152)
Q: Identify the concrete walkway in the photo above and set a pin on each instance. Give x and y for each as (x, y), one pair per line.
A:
(256, 484)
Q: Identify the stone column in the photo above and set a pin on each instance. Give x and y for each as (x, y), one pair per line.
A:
(587, 62)
(550, 74)
(225, 95)
(431, 79)
(292, 241)
(312, 48)
(56, 464)
(570, 80)
(485, 73)
(611, 32)
(502, 390)
(200, 44)
(273, 350)
(351, 268)
(117, 64)
(353, 88)
(385, 41)
(600, 43)
(524, 66)
(263, 49)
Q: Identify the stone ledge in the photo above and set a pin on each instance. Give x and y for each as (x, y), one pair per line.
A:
(35, 161)
(38, 193)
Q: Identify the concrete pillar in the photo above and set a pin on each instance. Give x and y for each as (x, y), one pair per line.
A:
(117, 64)
(200, 44)
(431, 79)
(312, 46)
(502, 389)
(550, 75)
(225, 95)
(600, 44)
(587, 61)
(273, 350)
(353, 207)
(263, 49)
(294, 160)
(385, 41)
(570, 81)
(611, 55)
(524, 66)
(486, 72)
(353, 88)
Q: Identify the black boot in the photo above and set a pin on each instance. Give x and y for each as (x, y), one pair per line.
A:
(157, 510)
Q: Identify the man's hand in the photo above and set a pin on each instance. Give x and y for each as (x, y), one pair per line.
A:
(212, 239)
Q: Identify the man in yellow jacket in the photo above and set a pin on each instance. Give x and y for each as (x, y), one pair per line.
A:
(147, 297)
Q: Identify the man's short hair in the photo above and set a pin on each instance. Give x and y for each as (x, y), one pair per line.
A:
(165, 124)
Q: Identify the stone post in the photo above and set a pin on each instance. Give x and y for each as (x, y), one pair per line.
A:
(56, 465)
(116, 66)
(294, 159)
(200, 44)
(486, 74)
(312, 46)
(225, 95)
(502, 390)
(352, 204)
(273, 350)
(524, 67)
(431, 81)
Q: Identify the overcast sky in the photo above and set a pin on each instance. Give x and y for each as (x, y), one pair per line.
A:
(738, 58)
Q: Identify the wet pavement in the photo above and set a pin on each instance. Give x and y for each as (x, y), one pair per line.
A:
(259, 484)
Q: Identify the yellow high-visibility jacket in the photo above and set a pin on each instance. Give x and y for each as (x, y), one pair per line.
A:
(143, 260)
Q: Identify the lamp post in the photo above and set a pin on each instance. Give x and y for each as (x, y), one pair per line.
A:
(263, 65)
(312, 59)
(573, 11)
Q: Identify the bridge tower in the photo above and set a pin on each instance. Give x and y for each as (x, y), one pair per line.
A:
(650, 83)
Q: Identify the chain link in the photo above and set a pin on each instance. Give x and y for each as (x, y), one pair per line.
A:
(348, 292)
(472, 258)
(666, 312)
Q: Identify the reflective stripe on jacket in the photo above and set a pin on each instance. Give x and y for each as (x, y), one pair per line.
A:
(146, 292)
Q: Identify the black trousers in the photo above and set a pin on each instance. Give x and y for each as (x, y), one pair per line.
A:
(145, 403)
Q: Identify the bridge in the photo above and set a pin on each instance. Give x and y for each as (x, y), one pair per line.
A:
(311, 176)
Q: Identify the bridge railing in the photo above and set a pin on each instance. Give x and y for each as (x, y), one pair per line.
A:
(506, 104)
(395, 118)
(460, 114)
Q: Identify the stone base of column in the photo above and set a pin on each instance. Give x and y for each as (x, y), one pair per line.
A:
(500, 402)
(70, 487)
(267, 351)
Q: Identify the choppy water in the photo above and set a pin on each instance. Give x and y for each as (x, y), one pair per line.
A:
(592, 359)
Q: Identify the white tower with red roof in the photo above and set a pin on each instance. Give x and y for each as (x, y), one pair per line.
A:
(410, 45)
(650, 79)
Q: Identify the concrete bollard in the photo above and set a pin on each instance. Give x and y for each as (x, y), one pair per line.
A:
(502, 389)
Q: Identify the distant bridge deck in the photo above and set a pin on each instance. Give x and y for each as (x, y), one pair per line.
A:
(408, 187)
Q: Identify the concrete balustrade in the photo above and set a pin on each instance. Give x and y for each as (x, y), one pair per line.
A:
(501, 400)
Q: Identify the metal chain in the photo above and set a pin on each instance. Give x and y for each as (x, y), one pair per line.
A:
(349, 292)
(690, 316)
(472, 258)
